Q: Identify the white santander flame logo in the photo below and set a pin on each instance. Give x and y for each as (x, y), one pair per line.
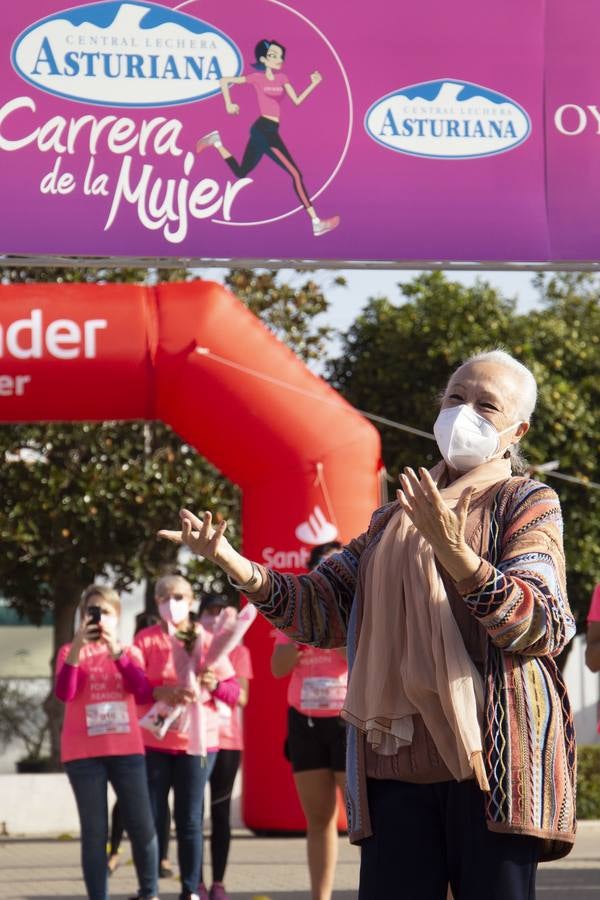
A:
(316, 530)
(447, 119)
(125, 54)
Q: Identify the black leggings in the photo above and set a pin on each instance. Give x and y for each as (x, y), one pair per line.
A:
(221, 787)
(265, 141)
(117, 829)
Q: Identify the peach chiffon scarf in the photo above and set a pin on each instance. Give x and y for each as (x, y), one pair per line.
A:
(411, 658)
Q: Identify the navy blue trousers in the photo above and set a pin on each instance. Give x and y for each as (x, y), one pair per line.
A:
(187, 775)
(89, 779)
(427, 836)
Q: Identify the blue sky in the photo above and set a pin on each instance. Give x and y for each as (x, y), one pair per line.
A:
(346, 303)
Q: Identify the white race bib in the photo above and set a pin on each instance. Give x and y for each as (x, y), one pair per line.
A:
(323, 693)
(111, 717)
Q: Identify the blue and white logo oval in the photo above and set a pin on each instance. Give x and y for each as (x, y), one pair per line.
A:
(447, 119)
(125, 54)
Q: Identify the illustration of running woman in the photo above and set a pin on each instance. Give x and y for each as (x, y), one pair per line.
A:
(265, 140)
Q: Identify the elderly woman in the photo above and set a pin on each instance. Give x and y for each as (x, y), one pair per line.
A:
(461, 750)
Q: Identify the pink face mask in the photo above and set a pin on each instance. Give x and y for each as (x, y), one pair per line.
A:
(174, 611)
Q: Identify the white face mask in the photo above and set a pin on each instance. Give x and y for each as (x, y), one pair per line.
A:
(466, 439)
(109, 622)
(174, 611)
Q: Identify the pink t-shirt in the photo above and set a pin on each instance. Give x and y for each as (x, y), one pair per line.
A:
(269, 91)
(318, 681)
(230, 720)
(101, 719)
(157, 654)
(594, 613)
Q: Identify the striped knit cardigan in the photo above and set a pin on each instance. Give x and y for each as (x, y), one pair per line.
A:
(518, 596)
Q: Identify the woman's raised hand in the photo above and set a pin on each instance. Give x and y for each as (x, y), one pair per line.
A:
(87, 631)
(430, 514)
(199, 535)
(442, 526)
(211, 543)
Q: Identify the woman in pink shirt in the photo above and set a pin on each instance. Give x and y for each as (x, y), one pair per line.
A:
(316, 745)
(270, 84)
(230, 740)
(101, 741)
(592, 649)
(181, 756)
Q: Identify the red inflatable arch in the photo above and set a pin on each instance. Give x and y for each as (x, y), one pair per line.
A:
(193, 356)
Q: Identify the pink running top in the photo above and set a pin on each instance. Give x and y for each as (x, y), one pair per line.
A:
(269, 92)
(230, 722)
(594, 613)
(318, 681)
(100, 716)
(157, 658)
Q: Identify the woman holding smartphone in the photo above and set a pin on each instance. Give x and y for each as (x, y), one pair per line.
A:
(98, 680)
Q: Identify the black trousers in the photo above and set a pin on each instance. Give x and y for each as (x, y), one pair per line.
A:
(221, 787)
(427, 836)
(265, 140)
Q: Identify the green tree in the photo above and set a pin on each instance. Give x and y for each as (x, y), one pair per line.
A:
(561, 343)
(396, 359)
(287, 309)
(83, 501)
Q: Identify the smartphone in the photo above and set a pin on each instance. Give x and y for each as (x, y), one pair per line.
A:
(94, 615)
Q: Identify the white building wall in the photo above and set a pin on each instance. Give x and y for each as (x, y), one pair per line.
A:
(584, 693)
(44, 804)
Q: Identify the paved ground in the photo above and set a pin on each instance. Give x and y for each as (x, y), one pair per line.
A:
(260, 869)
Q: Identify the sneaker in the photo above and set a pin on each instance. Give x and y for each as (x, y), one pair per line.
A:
(203, 892)
(217, 892)
(322, 226)
(209, 140)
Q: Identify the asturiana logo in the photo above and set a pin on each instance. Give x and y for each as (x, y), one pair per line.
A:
(125, 54)
(447, 119)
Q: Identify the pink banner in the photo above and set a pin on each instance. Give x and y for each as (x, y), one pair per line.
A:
(255, 130)
(573, 129)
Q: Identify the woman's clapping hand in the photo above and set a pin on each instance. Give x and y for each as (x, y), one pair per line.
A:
(430, 514)
(441, 526)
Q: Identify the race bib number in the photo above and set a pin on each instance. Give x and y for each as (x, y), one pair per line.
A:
(323, 693)
(107, 718)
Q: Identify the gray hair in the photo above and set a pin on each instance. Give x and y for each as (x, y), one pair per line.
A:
(167, 581)
(527, 396)
(528, 392)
